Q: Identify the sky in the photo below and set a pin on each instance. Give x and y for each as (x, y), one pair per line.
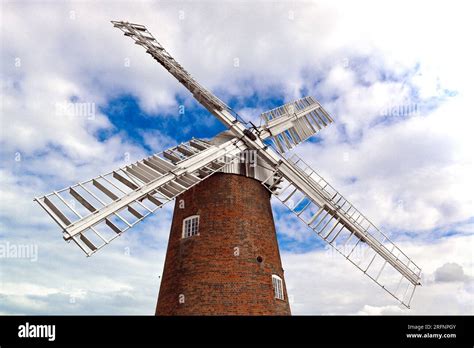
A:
(394, 75)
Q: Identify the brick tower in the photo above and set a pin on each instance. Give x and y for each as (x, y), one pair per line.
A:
(223, 256)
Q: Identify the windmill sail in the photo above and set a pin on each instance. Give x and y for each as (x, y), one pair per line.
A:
(293, 123)
(143, 37)
(346, 229)
(212, 103)
(95, 212)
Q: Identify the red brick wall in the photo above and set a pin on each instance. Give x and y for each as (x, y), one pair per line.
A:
(203, 271)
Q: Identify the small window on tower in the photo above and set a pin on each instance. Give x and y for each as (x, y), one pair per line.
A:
(278, 287)
(191, 226)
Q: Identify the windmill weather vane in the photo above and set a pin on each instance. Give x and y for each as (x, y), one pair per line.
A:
(223, 255)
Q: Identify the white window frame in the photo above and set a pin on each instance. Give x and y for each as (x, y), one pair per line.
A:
(190, 233)
(277, 283)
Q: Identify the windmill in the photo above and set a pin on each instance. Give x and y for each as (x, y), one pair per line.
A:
(222, 255)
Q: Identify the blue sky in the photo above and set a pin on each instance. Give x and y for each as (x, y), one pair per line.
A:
(399, 149)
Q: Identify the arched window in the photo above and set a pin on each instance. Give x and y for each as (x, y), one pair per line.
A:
(191, 226)
(278, 287)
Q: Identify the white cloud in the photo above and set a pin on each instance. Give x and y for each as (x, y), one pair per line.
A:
(156, 140)
(415, 174)
(123, 278)
(325, 283)
(450, 272)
